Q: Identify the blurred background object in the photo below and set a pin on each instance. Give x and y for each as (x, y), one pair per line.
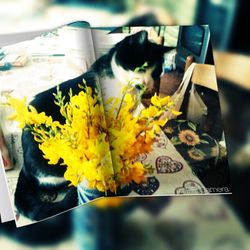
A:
(30, 15)
(218, 12)
(157, 223)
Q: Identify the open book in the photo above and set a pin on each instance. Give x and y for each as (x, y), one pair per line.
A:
(88, 113)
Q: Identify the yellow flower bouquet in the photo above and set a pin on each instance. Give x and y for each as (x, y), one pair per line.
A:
(97, 146)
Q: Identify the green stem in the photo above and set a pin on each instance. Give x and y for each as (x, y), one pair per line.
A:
(123, 96)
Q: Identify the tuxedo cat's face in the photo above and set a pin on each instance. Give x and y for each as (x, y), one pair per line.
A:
(133, 52)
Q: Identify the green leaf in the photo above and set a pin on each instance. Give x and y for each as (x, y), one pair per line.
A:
(149, 168)
(180, 121)
(70, 93)
(80, 86)
(192, 126)
(203, 141)
(175, 140)
(200, 152)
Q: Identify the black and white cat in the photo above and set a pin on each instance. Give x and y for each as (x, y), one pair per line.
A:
(39, 184)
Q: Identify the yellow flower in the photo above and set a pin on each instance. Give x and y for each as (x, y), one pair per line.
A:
(158, 101)
(195, 154)
(97, 147)
(175, 112)
(74, 174)
(189, 137)
(151, 112)
(21, 109)
(168, 130)
(132, 172)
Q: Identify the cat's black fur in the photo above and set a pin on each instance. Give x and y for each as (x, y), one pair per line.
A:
(132, 52)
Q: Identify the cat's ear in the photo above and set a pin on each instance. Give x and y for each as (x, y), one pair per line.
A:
(140, 37)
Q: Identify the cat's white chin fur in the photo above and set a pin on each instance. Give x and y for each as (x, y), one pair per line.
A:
(51, 180)
(113, 87)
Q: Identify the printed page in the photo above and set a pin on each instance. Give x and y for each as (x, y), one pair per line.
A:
(161, 133)
(49, 141)
(6, 210)
(162, 111)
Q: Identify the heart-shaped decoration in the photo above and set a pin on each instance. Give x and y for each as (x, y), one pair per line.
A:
(190, 187)
(166, 165)
(147, 187)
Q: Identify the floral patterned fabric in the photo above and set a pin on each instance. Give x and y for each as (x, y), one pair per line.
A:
(199, 149)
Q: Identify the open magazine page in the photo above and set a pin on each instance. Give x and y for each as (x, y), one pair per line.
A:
(136, 113)
(6, 211)
(46, 141)
(162, 111)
